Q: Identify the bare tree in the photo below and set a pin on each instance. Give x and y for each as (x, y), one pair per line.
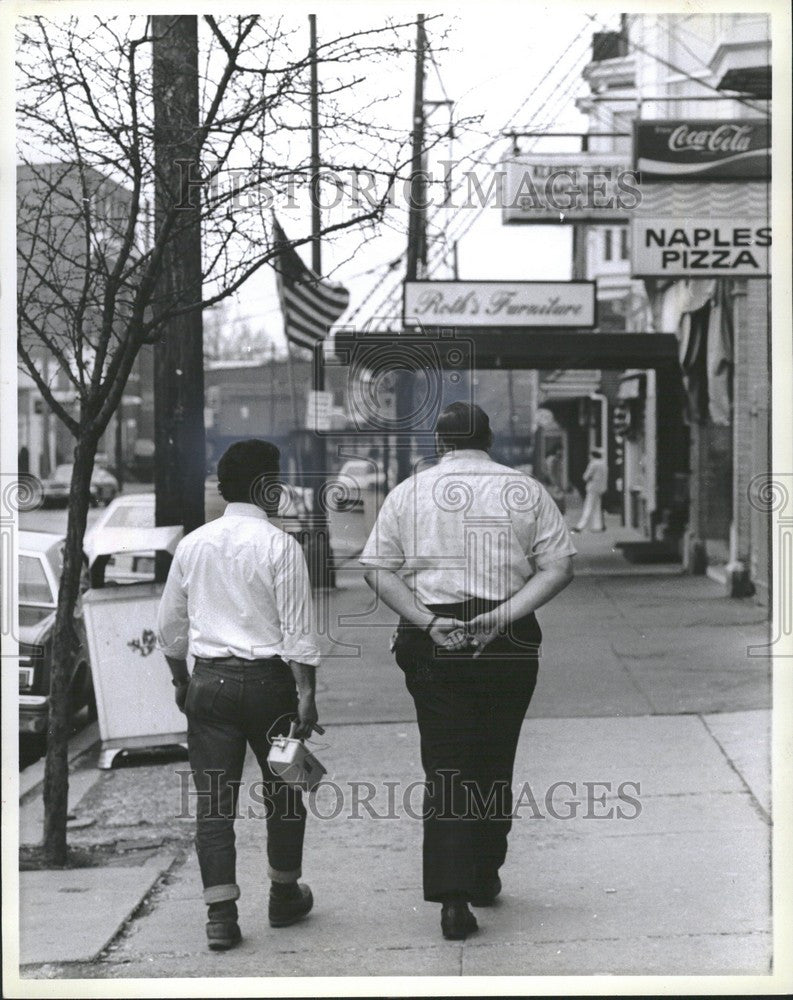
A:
(89, 259)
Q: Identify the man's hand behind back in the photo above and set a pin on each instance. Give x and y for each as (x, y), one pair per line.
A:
(449, 633)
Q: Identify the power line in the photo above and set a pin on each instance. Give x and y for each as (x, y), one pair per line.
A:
(573, 72)
(471, 158)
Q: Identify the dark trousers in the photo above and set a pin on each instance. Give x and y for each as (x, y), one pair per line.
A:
(232, 703)
(469, 714)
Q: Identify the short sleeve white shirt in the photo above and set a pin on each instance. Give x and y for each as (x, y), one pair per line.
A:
(467, 527)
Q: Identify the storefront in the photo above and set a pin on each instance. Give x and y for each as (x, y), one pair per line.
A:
(701, 241)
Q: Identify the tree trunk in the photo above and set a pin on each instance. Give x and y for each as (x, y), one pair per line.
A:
(56, 770)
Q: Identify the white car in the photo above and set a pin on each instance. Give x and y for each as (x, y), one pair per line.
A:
(125, 512)
(353, 478)
(40, 566)
(121, 545)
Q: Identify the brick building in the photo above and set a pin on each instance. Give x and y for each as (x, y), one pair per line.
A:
(61, 226)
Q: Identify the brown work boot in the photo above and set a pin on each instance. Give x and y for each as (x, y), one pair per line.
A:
(289, 902)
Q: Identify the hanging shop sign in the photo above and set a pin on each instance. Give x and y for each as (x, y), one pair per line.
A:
(568, 187)
(500, 303)
(703, 149)
(663, 247)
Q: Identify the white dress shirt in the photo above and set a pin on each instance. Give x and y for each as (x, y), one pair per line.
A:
(467, 527)
(238, 586)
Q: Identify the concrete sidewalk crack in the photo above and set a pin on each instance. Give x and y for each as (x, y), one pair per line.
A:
(622, 660)
(758, 806)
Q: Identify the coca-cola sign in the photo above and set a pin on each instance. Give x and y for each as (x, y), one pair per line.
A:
(703, 149)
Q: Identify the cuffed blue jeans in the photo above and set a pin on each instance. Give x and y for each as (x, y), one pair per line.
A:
(232, 703)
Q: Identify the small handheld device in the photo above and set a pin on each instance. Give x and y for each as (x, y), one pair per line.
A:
(293, 762)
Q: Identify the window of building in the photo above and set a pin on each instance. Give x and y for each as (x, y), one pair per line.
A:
(624, 243)
(608, 244)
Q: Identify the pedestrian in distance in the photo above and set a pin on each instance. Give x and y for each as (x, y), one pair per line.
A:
(596, 480)
(238, 599)
(553, 466)
(465, 552)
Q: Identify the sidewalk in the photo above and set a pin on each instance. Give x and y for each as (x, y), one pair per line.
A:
(645, 679)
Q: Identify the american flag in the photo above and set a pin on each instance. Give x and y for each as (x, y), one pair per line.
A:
(310, 305)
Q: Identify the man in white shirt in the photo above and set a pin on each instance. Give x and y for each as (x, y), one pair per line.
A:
(238, 599)
(465, 552)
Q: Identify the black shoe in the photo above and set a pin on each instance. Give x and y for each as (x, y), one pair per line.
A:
(289, 903)
(488, 891)
(457, 921)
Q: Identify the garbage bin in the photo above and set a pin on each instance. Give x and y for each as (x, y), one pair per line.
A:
(132, 683)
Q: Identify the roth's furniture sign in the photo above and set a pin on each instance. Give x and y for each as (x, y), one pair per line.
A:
(567, 187)
(671, 248)
(703, 149)
(499, 303)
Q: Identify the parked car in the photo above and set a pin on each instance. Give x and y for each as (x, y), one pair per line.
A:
(104, 486)
(133, 511)
(40, 563)
(121, 556)
(354, 477)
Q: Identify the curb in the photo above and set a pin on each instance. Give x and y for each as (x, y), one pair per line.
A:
(32, 778)
(150, 875)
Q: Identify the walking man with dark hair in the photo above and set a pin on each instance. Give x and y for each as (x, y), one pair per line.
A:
(238, 599)
(465, 552)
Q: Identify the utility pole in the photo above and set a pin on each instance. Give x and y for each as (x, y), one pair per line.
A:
(322, 572)
(180, 443)
(416, 252)
(316, 221)
(416, 249)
